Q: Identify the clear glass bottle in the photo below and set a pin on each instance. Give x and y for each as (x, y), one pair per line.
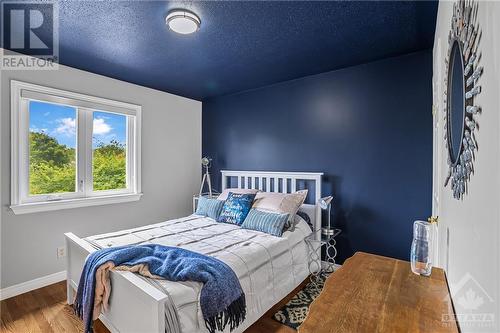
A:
(420, 256)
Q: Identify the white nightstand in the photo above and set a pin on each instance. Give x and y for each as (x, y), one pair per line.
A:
(317, 270)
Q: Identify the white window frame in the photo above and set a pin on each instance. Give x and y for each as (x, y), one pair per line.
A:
(85, 105)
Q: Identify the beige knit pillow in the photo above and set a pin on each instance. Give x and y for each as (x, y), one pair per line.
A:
(283, 203)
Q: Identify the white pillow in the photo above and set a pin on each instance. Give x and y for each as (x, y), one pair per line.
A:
(283, 203)
(225, 193)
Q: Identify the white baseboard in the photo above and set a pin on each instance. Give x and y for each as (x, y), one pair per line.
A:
(24, 287)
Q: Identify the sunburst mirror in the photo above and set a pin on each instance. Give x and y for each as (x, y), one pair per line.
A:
(461, 88)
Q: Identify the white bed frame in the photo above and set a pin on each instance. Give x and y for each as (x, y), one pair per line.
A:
(137, 306)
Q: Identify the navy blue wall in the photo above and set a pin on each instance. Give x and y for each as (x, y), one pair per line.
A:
(368, 128)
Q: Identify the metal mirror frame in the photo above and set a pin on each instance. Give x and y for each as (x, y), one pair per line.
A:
(466, 32)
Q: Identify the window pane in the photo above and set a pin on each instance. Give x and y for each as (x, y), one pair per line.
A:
(52, 140)
(109, 163)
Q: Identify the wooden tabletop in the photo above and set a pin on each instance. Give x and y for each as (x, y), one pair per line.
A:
(370, 293)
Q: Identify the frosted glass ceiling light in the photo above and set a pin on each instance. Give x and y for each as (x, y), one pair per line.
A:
(183, 22)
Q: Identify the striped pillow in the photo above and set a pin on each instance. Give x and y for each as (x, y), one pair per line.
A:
(209, 207)
(270, 223)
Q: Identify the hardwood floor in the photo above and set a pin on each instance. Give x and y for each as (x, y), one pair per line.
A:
(45, 310)
(41, 310)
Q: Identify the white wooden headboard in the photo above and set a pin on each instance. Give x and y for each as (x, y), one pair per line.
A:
(281, 182)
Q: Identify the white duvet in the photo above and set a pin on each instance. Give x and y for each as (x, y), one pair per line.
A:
(268, 267)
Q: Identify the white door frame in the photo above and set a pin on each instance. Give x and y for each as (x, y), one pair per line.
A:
(437, 172)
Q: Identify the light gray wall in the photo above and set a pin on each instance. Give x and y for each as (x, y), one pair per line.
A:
(474, 222)
(171, 151)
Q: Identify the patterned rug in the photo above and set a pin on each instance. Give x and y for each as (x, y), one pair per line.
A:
(295, 311)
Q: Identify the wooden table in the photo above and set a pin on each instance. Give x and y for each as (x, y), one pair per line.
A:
(370, 293)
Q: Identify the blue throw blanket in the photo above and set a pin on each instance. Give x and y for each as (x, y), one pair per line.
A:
(222, 299)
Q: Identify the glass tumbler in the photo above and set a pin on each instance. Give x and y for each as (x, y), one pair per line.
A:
(420, 256)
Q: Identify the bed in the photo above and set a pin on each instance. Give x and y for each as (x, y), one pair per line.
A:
(268, 267)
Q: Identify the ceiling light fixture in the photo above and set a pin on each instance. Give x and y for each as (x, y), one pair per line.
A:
(182, 21)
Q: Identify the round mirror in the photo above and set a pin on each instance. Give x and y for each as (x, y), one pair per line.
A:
(456, 101)
(462, 86)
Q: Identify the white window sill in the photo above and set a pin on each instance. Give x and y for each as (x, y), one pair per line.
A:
(46, 206)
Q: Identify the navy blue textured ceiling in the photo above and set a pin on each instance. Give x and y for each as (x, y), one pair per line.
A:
(241, 44)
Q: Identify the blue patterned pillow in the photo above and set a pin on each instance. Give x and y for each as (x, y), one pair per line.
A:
(236, 208)
(270, 223)
(209, 207)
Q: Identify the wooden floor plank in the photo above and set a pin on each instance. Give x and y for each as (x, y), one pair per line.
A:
(17, 323)
(6, 321)
(52, 312)
(45, 311)
(37, 322)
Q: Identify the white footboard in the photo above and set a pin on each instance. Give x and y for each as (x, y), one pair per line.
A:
(135, 305)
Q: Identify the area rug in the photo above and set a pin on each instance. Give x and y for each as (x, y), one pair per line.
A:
(295, 311)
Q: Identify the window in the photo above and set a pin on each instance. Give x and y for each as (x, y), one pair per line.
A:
(72, 150)
(109, 151)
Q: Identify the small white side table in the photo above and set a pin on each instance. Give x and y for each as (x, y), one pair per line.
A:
(317, 268)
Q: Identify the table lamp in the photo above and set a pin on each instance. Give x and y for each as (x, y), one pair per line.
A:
(326, 204)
